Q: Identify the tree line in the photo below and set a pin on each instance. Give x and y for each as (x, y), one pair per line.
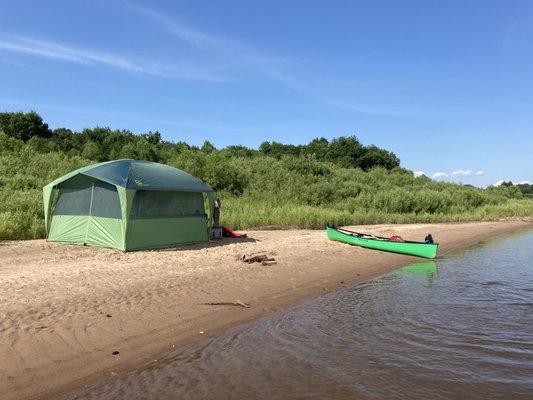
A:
(104, 144)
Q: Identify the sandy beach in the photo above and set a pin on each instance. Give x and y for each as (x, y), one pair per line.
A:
(64, 310)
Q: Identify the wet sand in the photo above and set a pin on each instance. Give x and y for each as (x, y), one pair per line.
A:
(64, 310)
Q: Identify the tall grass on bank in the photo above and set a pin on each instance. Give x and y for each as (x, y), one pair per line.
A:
(243, 215)
(262, 191)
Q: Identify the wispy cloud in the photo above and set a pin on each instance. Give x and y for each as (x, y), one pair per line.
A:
(233, 51)
(439, 175)
(419, 174)
(62, 52)
(236, 53)
(466, 172)
(462, 172)
(392, 111)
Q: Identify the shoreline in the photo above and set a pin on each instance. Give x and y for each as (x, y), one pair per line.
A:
(66, 340)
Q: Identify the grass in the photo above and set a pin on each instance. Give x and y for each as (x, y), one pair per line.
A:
(241, 214)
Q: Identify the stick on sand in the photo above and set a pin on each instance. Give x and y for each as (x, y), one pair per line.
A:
(224, 303)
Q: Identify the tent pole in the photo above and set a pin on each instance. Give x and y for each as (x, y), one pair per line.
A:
(90, 212)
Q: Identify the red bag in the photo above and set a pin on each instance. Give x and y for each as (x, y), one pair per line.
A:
(396, 238)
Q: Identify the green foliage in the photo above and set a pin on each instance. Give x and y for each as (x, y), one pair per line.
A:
(23, 126)
(103, 144)
(508, 190)
(279, 185)
(217, 169)
(91, 151)
(23, 173)
(511, 190)
(526, 189)
(345, 151)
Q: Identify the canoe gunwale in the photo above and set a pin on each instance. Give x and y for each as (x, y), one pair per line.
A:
(373, 237)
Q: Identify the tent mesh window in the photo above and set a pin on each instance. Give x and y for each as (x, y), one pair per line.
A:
(74, 198)
(73, 201)
(106, 202)
(158, 204)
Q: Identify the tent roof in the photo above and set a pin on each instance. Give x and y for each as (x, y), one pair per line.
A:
(140, 175)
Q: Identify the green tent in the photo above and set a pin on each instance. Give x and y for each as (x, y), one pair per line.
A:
(128, 205)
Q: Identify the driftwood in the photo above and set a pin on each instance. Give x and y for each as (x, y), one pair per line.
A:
(227, 303)
(259, 257)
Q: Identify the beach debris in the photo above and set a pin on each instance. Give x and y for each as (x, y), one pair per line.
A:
(228, 303)
(201, 332)
(258, 257)
(115, 352)
(108, 315)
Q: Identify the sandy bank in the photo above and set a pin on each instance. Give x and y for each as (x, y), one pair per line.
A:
(65, 309)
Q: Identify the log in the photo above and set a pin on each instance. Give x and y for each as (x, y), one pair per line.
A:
(259, 257)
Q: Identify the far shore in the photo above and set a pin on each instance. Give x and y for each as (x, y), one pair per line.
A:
(64, 309)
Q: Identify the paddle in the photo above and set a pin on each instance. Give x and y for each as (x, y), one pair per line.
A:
(358, 233)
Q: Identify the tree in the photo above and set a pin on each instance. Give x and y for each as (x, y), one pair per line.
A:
(317, 147)
(24, 126)
(239, 151)
(345, 150)
(152, 137)
(208, 147)
(91, 151)
(141, 149)
(64, 138)
(373, 156)
(265, 148)
(41, 145)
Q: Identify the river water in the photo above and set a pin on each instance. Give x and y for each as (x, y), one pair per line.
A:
(457, 328)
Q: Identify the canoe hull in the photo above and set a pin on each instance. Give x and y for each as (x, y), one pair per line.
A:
(418, 249)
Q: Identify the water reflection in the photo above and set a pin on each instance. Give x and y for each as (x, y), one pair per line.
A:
(425, 268)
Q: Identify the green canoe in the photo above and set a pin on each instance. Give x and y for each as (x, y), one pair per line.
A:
(420, 249)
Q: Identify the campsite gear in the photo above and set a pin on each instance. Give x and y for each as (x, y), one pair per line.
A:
(428, 238)
(216, 232)
(420, 249)
(216, 212)
(231, 233)
(396, 238)
(128, 205)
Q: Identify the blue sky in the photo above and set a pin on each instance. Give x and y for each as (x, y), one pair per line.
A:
(448, 86)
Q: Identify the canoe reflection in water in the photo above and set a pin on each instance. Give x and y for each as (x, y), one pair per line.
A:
(424, 269)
